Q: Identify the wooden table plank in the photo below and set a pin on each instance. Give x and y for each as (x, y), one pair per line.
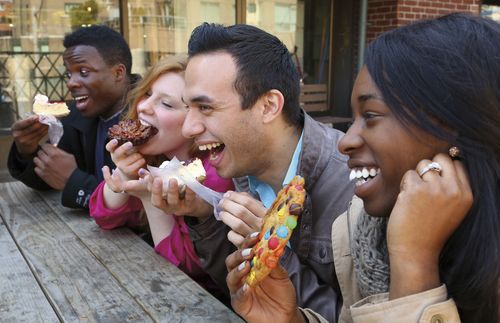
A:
(21, 298)
(79, 286)
(161, 288)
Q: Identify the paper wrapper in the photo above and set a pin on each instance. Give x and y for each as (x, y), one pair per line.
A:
(176, 170)
(55, 128)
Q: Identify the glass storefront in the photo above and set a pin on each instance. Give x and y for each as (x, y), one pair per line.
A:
(304, 27)
(31, 35)
(160, 28)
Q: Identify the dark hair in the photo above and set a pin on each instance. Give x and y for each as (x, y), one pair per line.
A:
(443, 76)
(110, 44)
(263, 63)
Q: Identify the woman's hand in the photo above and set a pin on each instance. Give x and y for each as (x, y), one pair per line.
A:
(428, 210)
(126, 158)
(272, 300)
(117, 182)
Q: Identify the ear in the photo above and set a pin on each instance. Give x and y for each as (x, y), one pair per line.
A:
(119, 72)
(272, 103)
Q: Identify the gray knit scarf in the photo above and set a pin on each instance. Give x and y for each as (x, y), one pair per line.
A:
(370, 255)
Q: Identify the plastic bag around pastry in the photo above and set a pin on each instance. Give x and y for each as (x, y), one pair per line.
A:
(176, 170)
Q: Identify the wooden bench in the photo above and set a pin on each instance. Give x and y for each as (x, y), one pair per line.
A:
(314, 97)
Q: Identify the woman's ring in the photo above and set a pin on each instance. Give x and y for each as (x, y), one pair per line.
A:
(434, 166)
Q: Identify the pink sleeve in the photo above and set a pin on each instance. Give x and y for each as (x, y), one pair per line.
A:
(126, 215)
(178, 249)
(214, 181)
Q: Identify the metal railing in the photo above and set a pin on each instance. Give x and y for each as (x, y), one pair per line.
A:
(22, 76)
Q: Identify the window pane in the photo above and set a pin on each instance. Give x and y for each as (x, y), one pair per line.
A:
(289, 20)
(491, 11)
(158, 28)
(31, 37)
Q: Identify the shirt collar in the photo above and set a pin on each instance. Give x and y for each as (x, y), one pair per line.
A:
(110, 118)
(264, 190)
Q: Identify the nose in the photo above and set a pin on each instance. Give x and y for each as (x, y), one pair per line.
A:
(352, 140)
(193, 125)
(72, 82)
(145, 106)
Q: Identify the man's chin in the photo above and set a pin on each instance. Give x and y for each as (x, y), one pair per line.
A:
(225, 172)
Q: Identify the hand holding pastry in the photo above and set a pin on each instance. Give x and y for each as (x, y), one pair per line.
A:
(173, 202)
(27, 133)
(273, 300)
(126, 158)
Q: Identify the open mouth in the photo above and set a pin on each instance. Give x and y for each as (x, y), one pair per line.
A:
(81, 100)
(145, 123)
(363, 175)
(215, 149)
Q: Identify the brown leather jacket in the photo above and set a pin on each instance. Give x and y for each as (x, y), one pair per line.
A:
(310, 259)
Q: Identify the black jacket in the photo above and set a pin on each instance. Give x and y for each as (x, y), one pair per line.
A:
(79, 139)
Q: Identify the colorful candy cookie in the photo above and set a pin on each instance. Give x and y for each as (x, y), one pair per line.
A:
(279, 222)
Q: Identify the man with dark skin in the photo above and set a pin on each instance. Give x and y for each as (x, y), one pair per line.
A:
(98, 69)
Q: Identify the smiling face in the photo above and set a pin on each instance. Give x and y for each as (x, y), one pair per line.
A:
(217, 122)
(96, 87)
(380, 148)
(162, 107)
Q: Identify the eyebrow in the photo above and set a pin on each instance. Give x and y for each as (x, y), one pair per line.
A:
(366, 97)
(198, 99)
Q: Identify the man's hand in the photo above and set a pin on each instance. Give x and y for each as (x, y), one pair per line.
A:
(172, 202)
(54, 166)
(27, 133)
(272, 300)
(242, 213)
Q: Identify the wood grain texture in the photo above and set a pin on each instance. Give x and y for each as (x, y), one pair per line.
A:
(75, 282)
(161, 288)
(94, 275)
(21, 298)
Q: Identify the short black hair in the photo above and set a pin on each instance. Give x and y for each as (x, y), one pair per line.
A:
(109, 43)
(262, 60)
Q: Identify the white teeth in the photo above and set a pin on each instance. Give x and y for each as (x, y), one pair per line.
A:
(360, 182)
(78, 98)
(352, 175)
(363, 174)
(209, 146)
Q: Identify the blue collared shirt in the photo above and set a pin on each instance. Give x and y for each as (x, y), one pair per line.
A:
(264, 190)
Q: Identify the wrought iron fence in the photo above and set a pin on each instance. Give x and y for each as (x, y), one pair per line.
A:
(22, 76)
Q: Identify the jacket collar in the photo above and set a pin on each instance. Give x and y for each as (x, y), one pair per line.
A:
(315, 154)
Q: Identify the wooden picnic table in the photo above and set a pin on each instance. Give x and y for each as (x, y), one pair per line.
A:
(57, 265)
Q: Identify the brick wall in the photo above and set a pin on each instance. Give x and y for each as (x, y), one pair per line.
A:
(385, 15)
